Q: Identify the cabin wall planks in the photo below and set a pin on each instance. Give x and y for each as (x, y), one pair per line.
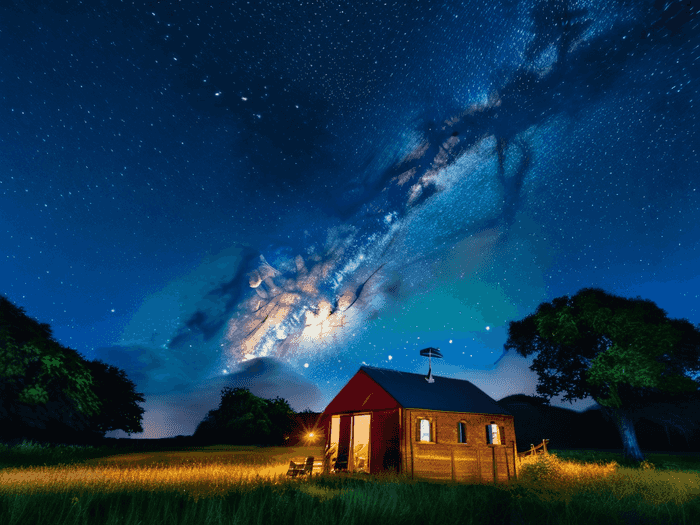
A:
(435, 459)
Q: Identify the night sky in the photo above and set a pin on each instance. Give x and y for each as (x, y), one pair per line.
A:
(271, 194)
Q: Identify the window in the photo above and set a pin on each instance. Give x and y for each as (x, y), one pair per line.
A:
(461, 432)
(492, 437)
(424, 430)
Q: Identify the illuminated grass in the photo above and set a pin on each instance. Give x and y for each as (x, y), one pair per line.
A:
(196, 478)
(248, 485)
(566, 478)
(206, 472)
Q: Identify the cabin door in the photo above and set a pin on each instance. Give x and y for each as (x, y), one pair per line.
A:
(350, 444)
(360, 442)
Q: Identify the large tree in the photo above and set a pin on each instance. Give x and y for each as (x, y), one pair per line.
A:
(624, 353)
(51, 393)
(32, 363)
(120, 409)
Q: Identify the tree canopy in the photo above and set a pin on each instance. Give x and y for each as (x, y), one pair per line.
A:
(245, 419)
(30, 358)
(120, 409)
(48, 390)
(624, 353)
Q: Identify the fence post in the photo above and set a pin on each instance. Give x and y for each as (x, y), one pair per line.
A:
(505, 455)
(478, 464)
(495, 467)
(544, 445)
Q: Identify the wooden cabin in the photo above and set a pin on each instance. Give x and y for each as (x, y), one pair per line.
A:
(384, 420)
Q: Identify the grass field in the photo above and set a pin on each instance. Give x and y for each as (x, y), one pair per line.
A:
(247, 485)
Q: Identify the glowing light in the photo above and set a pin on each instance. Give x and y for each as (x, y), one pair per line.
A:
(306, 365)
(390, 358)
(488, 328)
(450, 341)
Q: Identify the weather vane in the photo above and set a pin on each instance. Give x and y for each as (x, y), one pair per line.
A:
(431, 352)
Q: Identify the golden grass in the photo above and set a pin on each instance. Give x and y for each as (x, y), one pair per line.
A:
(213, 475)
(560, 479)
(217, 470)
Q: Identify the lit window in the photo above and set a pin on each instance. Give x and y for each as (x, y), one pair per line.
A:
(492, 437)
(424, 430)
(462, 432)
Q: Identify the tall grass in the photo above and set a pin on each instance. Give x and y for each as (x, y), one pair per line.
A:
(242, 485)
(565, 478)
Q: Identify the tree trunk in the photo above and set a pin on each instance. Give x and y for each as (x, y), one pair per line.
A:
(625, 425)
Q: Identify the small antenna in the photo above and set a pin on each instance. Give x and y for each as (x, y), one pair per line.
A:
(430, 353)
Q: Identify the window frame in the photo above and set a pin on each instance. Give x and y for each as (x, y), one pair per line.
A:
(462, 425)
(431, 422)
(489, 434)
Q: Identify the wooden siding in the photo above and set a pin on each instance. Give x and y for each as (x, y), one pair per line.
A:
(447, 459)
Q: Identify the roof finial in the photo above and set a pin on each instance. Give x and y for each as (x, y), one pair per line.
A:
(431, 352)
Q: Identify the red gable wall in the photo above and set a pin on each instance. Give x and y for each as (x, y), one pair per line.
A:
(361, 394)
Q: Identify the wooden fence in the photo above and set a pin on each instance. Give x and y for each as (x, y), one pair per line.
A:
(535, 450)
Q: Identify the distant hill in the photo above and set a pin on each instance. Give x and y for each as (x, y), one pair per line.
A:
(566, 428)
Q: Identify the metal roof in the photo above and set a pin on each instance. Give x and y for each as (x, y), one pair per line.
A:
(446, 394)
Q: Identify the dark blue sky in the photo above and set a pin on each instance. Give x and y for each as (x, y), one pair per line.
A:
(188, 186)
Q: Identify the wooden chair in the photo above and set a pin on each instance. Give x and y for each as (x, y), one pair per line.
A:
(304, 467)
(341, 463)
(309, 465)
(294, 469)
(360, 457)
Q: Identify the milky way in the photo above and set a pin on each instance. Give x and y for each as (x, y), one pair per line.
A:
(187, 188)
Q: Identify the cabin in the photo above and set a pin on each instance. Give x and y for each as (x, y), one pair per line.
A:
(448, 429)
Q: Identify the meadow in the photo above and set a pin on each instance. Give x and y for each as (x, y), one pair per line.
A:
(248, 485)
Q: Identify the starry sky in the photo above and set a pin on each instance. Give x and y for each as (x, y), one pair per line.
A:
(271, 194)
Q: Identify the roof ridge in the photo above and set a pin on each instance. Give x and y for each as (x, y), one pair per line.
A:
(411, 373)
(446, 393)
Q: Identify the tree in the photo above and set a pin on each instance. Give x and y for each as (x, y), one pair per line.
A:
(120, 410)
(31, 364)
(245, 419)
(280, 414)
(207, 431)
(624, 353)
(51, 393)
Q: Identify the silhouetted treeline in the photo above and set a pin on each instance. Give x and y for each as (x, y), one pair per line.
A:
(245, 419)
(566, 428)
